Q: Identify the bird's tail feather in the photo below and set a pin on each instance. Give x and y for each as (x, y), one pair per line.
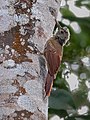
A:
(48, 84)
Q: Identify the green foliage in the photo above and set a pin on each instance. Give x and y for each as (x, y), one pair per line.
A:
(82, 117)
(61, 83)
(85, 3)
(61, 99)
(63, 102)
(61, 113)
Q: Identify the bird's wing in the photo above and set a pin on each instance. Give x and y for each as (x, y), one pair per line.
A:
(53, 57)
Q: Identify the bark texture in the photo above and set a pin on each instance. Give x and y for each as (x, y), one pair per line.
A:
(25, 26)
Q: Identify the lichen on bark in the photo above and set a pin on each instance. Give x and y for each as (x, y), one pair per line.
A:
(24, 31)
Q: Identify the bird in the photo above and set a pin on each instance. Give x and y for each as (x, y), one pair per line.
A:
(53, 52)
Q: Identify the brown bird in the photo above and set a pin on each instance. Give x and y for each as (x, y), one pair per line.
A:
(53, 53)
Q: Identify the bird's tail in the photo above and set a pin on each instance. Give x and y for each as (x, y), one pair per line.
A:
(48, 84)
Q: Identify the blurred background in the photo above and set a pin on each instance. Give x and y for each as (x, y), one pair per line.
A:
(70, 97)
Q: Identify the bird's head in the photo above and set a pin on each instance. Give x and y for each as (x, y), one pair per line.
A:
(63, 35)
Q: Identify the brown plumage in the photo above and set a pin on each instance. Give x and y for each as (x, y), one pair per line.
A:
(53, 53)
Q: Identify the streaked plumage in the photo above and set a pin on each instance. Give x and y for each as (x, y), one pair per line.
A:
(53, 53)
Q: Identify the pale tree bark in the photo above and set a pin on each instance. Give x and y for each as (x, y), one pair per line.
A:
(25, 26)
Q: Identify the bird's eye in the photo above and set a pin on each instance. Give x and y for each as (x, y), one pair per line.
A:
(62, 31)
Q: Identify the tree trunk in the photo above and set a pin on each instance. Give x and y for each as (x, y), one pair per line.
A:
(25, 26)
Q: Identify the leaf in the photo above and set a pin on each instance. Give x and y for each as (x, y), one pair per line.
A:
(69, 15)
(84, 117)
(60, 113)
(61, 83)
(85, 3)
(70, 118)
(65, 11)
(61, 99)
(82, 97)
(83, 21)
(79, 117)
